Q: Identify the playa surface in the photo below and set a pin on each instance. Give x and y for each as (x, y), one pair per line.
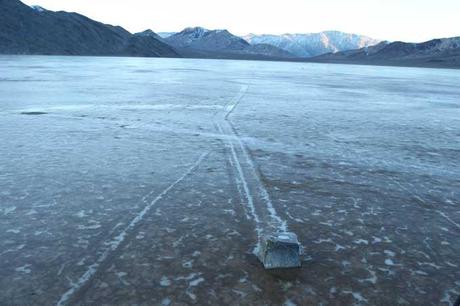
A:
(149, 181)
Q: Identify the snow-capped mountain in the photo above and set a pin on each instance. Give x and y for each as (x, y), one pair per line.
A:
(203, 39)
(198, 41)
(166, 34)
(314, 44)
(38, 8)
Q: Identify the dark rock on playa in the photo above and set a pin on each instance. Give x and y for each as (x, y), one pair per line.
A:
(281, 250)
(33, 113)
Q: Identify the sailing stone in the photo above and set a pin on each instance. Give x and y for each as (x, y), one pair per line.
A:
(281, 250)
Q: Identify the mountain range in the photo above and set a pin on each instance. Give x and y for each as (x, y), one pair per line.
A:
(35, 30)
(314, 44)
(443, 52)
(220, 43)
(301, 45)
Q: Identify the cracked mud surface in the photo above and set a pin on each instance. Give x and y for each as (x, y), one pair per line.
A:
(360, 162)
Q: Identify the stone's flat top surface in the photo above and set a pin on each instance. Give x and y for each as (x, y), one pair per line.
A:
(286, 237)
(361, 162)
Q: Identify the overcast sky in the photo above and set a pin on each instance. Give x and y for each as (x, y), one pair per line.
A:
(407, 20)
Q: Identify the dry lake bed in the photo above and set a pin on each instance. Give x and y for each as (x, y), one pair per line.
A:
(128, 181)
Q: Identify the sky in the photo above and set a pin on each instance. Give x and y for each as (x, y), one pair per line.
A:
(405, 20)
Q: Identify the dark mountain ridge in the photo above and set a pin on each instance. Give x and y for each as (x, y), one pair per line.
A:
(34, 30)
(443, 52)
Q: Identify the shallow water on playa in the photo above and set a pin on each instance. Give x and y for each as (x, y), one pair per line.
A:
(118, 186)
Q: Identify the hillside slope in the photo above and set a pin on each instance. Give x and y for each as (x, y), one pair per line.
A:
(34, 30)
(434, 53)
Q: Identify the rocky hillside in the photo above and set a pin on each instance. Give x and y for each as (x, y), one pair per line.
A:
(437, 53)
(35, 30)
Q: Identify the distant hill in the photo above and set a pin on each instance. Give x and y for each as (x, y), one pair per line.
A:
(434, 53)
(35, 30)
(149, 33)
(201, 42)
(313, 44)
(202, 39)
